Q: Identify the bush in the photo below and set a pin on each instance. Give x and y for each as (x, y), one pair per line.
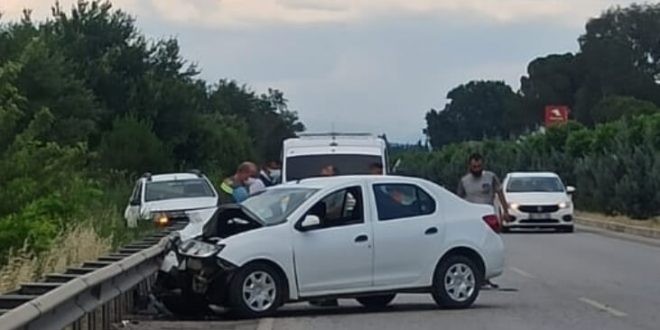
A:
(615, 166)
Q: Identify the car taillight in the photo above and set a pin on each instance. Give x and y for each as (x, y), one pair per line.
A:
(493, 222)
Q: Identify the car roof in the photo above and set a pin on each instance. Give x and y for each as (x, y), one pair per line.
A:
(533, 174)
(173, 177)
(325, 141)
(340, 180)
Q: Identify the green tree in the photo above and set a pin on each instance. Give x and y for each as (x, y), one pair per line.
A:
(131, 145)
(477, 110)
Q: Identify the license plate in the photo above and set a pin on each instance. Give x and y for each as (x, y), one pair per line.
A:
(539, 216)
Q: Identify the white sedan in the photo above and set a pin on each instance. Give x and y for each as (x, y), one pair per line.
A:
(538, 200)
(303, 240)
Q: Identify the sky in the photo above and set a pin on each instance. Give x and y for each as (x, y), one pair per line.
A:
(359, 65)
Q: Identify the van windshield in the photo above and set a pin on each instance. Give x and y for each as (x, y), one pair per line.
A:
(302, 167)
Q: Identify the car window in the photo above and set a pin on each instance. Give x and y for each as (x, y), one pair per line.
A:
(163, 190)
(302, 167)
(272, 206)
(398, 201)
(341, 208)
(137, 191)
(534, 184)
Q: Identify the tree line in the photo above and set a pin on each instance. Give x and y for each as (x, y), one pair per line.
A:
(87, 102)
(615, 73)
(610, 149)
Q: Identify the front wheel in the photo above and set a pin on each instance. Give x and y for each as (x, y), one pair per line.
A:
(380, 301)
(456, 282)
(256, 291)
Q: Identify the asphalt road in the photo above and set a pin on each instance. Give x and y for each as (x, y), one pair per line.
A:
(584, 280)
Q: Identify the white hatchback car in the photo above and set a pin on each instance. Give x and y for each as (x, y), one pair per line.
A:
(538, 200)
(304, 240)
(166, 197)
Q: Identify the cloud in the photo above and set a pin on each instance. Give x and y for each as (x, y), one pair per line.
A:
(251, 13)
(41, 9)
(254, 13)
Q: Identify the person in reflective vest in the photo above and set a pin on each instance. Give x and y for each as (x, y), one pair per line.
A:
(234, 189)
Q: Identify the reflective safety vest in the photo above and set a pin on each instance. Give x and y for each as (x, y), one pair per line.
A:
(226, 193)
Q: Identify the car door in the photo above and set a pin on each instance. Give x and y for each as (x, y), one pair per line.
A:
(337, 255)
(132, 213)
(408, 233)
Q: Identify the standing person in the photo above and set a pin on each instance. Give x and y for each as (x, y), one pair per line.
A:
(329, 170)
(270, 173)
(268, 176)
(482, 187)
(234, 189)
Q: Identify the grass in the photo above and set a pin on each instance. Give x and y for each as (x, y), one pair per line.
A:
(74, 246)
(650, 223)
(86, 240)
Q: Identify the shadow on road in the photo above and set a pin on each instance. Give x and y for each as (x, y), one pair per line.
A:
(303, 310)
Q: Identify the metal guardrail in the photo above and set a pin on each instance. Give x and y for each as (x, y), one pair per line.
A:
(92, 296)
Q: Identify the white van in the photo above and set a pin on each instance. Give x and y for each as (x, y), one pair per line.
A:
(350, 153)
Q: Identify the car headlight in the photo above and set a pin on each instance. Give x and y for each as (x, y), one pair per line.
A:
(199, 249)
(514, 206)
(161, 219)
(565, 205)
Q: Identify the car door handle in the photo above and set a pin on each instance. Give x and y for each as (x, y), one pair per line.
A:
(361, 238)
(431, 231)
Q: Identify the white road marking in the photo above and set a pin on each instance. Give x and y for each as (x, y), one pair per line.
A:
(603, 307)
(266, 324)
(522, 272)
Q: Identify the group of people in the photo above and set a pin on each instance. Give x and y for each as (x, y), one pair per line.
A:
(249, 180)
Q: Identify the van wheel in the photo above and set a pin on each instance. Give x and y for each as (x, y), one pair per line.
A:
(456, 282)
(256, 291)
(380, 301)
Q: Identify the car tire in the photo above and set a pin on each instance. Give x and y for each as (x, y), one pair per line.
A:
(376, 302)
(466, 278)
(255, 291)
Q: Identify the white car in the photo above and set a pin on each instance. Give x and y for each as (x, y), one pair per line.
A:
(302, 241)
(538, 200)
(167, 197)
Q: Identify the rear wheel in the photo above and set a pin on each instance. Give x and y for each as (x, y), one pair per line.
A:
(379, 301)
(456, 282)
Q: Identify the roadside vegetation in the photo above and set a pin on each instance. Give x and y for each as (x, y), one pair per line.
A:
(88, 103)
(611, 148)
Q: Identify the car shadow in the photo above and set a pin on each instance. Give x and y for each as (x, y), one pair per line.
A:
(534, 232)
(304, 310)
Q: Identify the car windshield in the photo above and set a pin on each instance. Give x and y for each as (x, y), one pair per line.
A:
(274, 205)
(163, 190)
(302, 167)
(534, 184)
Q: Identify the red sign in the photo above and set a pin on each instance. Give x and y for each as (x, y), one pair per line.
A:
(555, 114)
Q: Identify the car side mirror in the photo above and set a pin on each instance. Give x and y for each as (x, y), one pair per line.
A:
(134, 202)
(570, 189)
(309, 222)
